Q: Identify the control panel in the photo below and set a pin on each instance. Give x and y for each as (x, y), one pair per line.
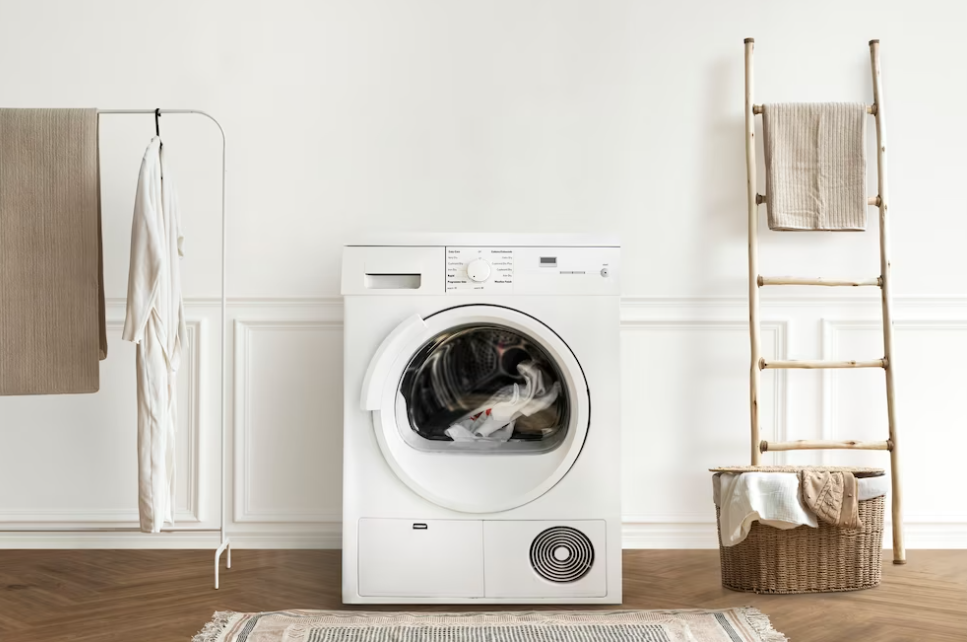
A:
(480, 269)
(531, 270)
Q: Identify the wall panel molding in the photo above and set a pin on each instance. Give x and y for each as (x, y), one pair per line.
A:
(794, 325)
(781, 335)
(79, 517)
(631, 302)
(829, 343)
(197, 393)
(246, 330)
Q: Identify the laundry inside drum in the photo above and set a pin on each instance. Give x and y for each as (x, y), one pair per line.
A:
(484, 385)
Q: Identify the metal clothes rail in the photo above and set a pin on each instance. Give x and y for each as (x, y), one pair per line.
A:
(224, 542)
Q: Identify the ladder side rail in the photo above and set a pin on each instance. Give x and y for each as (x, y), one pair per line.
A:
(899, 551)
(754, 339)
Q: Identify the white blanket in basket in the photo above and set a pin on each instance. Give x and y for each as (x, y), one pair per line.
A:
(771, 499)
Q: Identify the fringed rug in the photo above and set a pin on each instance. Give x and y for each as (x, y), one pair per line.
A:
(727, 625)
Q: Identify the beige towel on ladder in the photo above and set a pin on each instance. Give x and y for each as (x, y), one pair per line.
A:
(815, 158)
(52, 331)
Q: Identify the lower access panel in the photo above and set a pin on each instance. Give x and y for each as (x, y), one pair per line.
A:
(545, 559)
(409, 558)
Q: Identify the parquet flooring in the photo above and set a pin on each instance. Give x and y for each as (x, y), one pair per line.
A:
(161, 596)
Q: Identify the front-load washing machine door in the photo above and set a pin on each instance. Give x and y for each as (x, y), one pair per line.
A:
(477, 408)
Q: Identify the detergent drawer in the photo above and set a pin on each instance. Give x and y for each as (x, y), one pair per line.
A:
(420, 558)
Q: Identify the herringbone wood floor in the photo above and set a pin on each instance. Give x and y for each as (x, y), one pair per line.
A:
(157, 596)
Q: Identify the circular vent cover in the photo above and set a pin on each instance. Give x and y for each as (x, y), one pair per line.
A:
(562, 554)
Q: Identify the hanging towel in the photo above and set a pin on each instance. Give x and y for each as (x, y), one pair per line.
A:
(52, 330)
(832, 496)
(815, 158)
(156, 322)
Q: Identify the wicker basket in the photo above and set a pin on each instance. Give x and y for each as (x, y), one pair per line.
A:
(805, 559)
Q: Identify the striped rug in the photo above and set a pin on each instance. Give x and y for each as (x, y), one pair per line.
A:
(726, 625)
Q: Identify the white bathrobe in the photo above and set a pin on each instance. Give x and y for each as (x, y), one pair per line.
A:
(156, 322)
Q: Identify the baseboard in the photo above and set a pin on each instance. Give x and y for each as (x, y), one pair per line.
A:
(668, 535)
(321, 536)
(108, 540)
(930, 535)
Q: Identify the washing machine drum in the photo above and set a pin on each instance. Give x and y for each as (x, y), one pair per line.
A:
(478, 408)
(485, 385)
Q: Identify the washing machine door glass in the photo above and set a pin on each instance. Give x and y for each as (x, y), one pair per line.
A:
(477, 408)
(489, 388)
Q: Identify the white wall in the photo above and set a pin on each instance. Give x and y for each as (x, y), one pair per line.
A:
(477, 116)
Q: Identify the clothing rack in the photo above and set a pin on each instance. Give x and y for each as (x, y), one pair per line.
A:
(224, 542)
(756, 281)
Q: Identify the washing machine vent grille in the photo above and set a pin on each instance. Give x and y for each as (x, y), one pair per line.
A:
(562, 554)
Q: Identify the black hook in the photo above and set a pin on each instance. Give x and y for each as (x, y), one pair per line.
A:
(157, 124)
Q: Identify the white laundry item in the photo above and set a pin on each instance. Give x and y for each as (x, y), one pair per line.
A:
(540, 398)
(866, 487)
(870, 487)
(457, 432)
(494, 421)
(769, 498)
(156, 322)
(772, 499)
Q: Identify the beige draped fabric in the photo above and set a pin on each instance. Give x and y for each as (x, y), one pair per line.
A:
(52, 330)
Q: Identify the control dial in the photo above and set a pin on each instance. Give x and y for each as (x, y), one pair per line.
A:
(478, 270)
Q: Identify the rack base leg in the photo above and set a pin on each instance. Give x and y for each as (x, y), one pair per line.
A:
(226, 546)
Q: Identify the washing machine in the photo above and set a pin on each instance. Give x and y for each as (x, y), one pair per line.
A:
(482, 432)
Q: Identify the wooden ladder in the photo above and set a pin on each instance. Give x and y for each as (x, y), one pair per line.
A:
(757, 281)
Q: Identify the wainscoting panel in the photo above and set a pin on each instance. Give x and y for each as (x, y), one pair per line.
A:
(682, 404)
(288, 421)
(72, 460)
(930, 409)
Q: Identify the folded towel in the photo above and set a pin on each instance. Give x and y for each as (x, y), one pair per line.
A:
(832, 496)
(52, 331)
(815, 157)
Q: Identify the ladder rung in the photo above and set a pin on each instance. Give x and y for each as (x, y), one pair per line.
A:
(870, 200)
(823, 444)
(870, 109)
(766, 364)
(802, 280)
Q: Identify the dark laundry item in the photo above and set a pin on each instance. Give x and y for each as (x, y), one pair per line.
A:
(460, 370)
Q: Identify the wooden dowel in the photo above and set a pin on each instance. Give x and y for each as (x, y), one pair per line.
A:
(753, 251)
(799, 280)
(870, 200)
(899, 551)
(822, 444)
(766, 364)
(870, 109)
